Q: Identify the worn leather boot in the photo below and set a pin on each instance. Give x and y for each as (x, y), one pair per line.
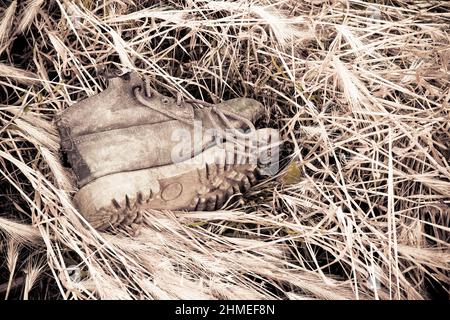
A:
(132, 148)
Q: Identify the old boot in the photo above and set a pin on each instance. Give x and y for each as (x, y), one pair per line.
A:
(129, 127)
(132, 148)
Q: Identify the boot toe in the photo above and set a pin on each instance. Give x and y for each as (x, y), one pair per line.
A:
(247, 108)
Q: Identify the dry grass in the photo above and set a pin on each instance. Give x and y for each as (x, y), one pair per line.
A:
(360, 91)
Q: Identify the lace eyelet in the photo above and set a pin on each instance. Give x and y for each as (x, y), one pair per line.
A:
(165, 100)
(137, 90)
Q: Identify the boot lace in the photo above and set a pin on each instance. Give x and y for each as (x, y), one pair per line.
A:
(242, 139)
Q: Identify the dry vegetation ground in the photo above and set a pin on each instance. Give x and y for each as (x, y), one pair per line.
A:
(360, 91)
